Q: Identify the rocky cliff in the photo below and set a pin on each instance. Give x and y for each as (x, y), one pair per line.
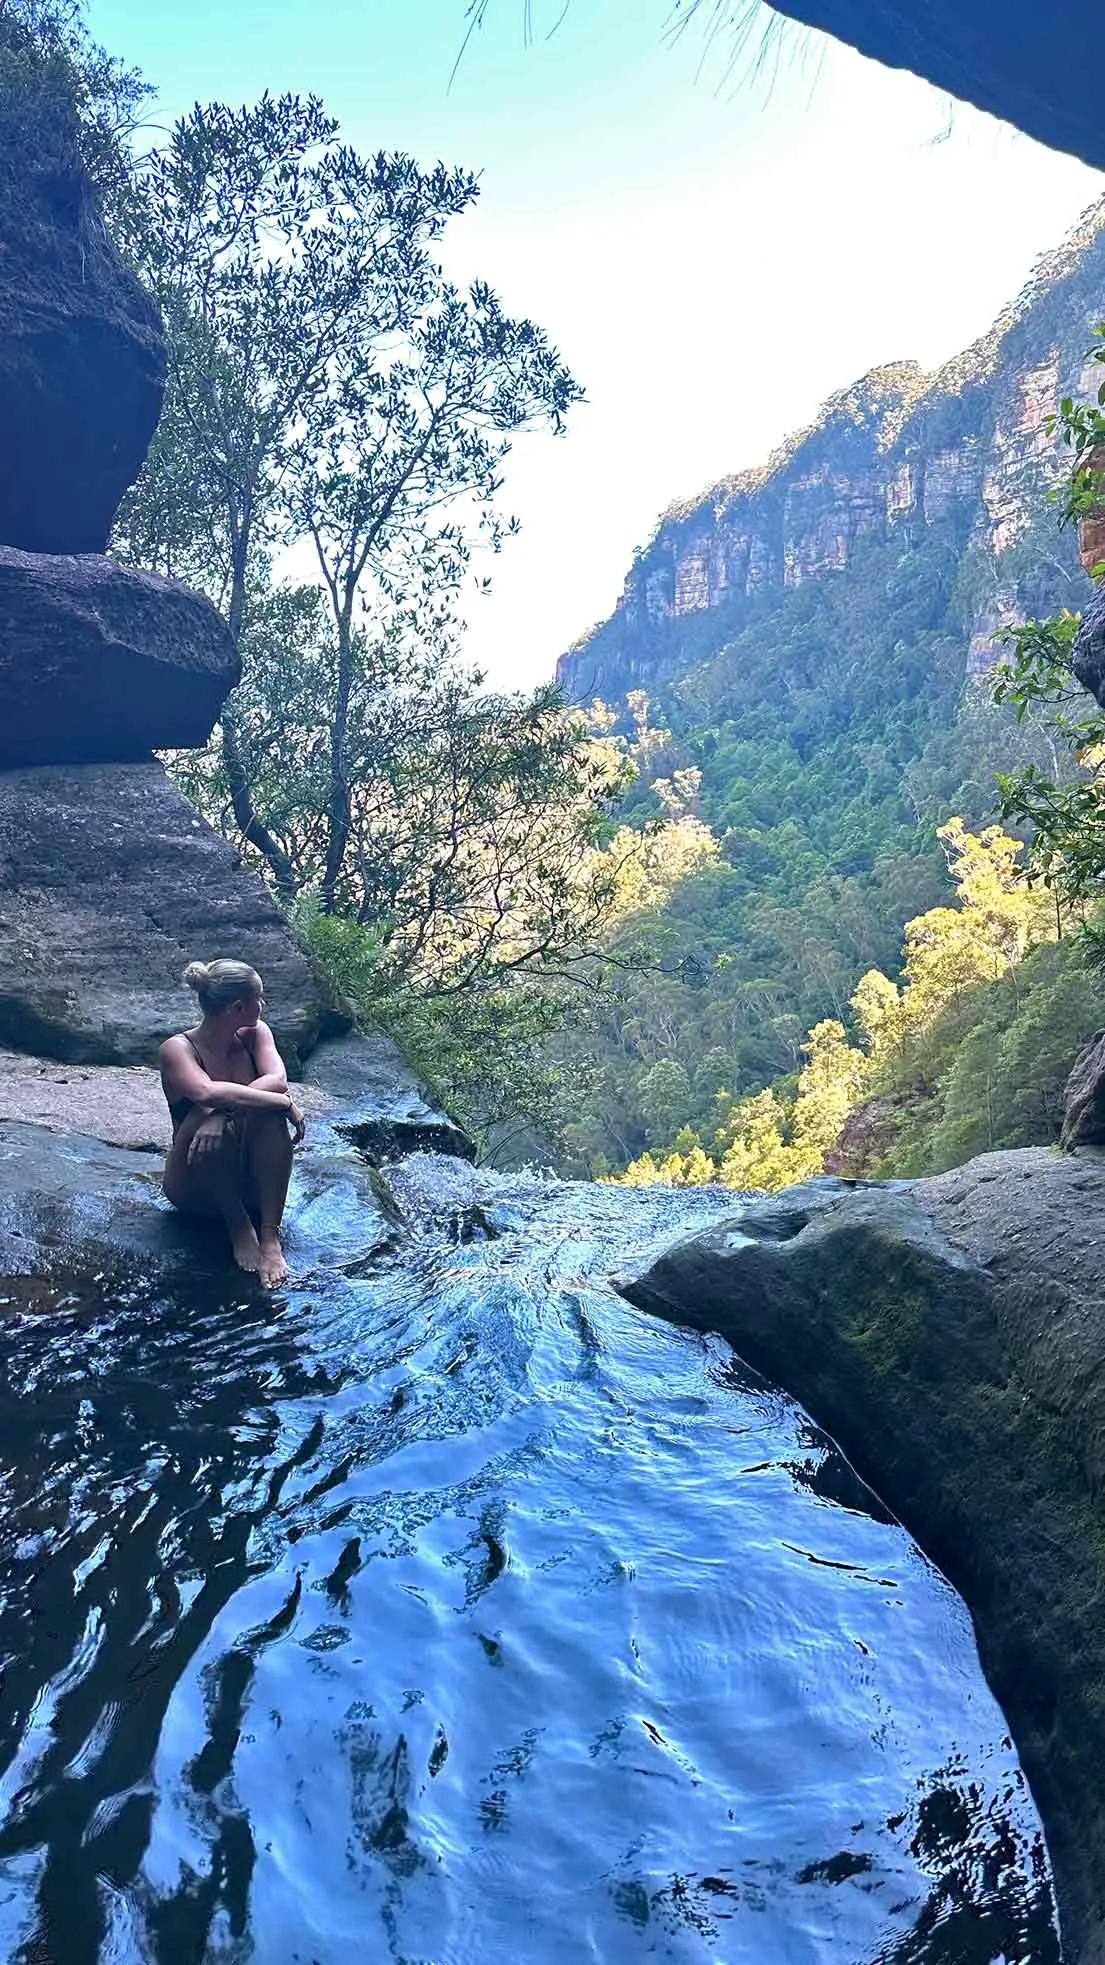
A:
(82, 358)
(109, 880)
(962, 457)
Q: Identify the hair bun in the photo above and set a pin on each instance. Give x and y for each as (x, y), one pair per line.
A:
(195, 975)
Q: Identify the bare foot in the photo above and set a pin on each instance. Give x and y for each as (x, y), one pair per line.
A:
(272, 1269)
(247, 1249)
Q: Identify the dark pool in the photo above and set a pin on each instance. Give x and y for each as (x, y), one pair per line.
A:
(458, 1612)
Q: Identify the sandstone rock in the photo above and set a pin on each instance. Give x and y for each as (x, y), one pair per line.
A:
(1089, 647)
(952, 1339)
(119, 1104)
(866, 1137)
(1091, 527)
(97, 661)
(1091, 541)
(1084, 1107)
(82, 359)
(79, 1215)
(956, 464)
(1002, 57)
(110, 883)
(385, 1109)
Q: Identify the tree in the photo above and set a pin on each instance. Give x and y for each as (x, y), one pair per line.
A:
(756, 1157)
(328, 388)
(1063, 812)
(1063, 808)
(830, 1083)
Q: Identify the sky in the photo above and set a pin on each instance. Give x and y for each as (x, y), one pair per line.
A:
(714, 250)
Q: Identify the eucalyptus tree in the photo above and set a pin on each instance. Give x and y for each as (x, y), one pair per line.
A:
(329, 388)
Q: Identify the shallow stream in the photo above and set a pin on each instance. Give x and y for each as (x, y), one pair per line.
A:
(456, 1612)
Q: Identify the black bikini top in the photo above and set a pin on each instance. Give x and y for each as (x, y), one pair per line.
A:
(179, 1108)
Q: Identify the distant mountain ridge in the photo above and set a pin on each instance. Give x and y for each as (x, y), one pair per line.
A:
(962, 456)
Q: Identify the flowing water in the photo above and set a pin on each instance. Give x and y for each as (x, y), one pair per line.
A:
(456, 1612)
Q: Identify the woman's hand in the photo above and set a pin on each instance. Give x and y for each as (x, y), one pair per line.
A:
(297, 1122)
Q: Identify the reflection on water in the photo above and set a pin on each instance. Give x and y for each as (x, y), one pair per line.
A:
(458, 1612)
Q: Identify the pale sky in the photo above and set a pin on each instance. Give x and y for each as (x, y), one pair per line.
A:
(713, 257)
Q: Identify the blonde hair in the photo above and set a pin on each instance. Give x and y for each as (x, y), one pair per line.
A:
(219, 984)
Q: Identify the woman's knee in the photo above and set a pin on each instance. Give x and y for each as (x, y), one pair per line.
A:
(269, 1129)
(213, 1143)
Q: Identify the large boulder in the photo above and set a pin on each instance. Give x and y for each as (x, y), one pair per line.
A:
(951, 1337)
(98, 661)
(82, 359)
(110, 883)
(1084, 1107)
(1089, 647)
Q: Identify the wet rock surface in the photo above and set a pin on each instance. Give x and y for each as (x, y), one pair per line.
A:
(386, 1112)
(950, 1335)
(75, 1212)
(98, 662)
(110, 883)
(80, 1195)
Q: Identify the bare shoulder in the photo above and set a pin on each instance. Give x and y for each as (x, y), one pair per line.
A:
(172, 1047)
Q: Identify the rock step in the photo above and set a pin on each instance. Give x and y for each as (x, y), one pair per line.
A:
(100, 663)
(110, 883)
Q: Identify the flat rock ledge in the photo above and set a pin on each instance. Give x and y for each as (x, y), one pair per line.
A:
(80, 1174)
(950, 1335)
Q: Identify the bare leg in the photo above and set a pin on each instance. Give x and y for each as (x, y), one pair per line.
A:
(210, 1182)
(269, 1169)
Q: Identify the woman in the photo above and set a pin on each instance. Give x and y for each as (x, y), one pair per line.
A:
(229, 1102)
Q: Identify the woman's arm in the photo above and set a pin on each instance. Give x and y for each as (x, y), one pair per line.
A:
(224, 1095)
(184, 1077)
(267, 1061)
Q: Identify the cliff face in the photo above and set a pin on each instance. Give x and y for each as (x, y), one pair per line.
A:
(109, 879)
(964, 455)
(82, 357)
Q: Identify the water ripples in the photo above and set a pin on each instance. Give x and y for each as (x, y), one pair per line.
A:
(458, 1612)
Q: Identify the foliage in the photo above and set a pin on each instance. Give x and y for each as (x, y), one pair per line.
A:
(1082, 428)
(476, 1017)
(330, 391)
(828, 739)
(1063, 811)
(1061, 804)
(67, 107)
(336, 404)
(972, 1045)
(484, 1051)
